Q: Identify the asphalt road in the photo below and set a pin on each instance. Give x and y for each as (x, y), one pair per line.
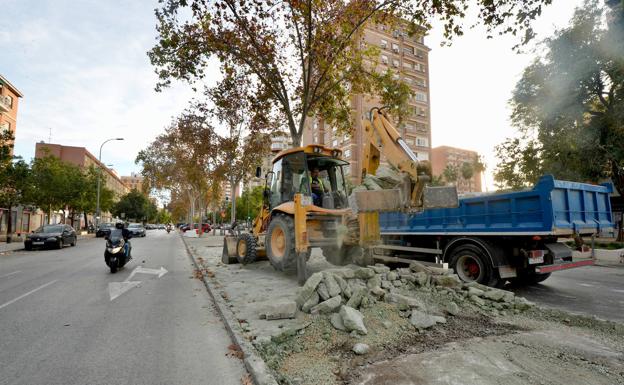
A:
(593, 290)
(58, 324)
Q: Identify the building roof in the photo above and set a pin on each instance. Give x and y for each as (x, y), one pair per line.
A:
(5, 82)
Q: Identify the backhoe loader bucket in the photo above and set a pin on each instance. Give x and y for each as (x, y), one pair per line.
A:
(367, 201)
(229, 249)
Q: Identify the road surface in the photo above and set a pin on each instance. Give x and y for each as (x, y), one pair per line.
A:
(593, 290)
(58, 324)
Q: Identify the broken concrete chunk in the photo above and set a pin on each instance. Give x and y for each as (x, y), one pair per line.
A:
(475, 291)
(477, 300)
(336, 321)
(281, 310)
(356, 297)
(364, 273)
(452, 308)
(378, 292)
(341, 282)
(310, 303)
(522, 303)
(400, 299)
(421, 278)
(494, 295)
(439, 319)
(308, 288)
(451, 280)
(380, 269)
(352, 319)
(361, 349)
(328, 306)
(332, 286)
(392, 276)
(375, 281)
(323, 292)
(386, 284)
(421, 320)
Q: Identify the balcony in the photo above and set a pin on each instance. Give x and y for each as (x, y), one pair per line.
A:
(5, 103)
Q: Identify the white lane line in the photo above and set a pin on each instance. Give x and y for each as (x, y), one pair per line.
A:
(586, 284)
(6, 275)
(27, 294)
(617, 290)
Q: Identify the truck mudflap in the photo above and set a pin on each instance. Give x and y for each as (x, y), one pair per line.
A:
(543, 269)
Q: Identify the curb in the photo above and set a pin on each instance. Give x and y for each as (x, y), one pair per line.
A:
(253, 363)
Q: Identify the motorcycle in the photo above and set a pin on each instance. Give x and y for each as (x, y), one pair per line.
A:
(168, 229)
(115, 254)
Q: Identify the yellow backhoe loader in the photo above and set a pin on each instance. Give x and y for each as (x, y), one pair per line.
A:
(307, 203)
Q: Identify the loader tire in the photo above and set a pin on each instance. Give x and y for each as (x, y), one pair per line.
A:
(246, 249)
(280, 242)
(341, 256)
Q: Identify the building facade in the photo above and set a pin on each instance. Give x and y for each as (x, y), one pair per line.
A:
(79, 156)
(9, 101)
(134, 181)
(408, 57)
(23, 219)
(443, 156)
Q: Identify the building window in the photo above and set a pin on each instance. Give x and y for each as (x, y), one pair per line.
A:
(347, 153)
(421, 111)
(395, 63)
(420, 53)
(5, 126)
(422, 142)
(408, 80)
(384, 59)
(410, 141)
(421, 82)
(410, 127)
(420, 97)
(395, 47)
(335, 143)
(408, 50)
(384, 44)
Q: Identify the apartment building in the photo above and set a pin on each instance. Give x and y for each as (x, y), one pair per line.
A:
(278, 143)
(408, 57)
(134, 181)
(443, 156)
(9, 100)
(82, 158)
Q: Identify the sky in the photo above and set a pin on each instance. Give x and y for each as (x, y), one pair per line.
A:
(83, 70)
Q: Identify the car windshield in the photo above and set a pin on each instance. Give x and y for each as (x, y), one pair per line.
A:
(134, 226)
(50, 229)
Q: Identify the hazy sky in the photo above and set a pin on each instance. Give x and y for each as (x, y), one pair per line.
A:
(84, 73)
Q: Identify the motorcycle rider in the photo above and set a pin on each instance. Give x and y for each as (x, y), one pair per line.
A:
(126, 234)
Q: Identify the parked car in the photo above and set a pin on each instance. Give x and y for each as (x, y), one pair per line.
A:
(150, 226)
(136, 229)
(160, 226)
(104, 229)
(51, 236)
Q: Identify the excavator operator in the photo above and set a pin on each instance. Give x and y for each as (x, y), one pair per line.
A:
(317, 187)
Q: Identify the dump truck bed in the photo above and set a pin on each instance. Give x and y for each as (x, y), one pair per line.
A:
(552, 207)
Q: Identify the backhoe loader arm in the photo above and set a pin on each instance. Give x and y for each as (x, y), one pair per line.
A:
(380, 137)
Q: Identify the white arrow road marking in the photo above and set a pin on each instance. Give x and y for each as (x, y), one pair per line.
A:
(115, 289)
(139, 269)
(26, 294)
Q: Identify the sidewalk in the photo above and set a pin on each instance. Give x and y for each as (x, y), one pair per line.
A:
(18, 243)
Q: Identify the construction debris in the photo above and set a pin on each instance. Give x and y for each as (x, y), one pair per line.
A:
(341, 292)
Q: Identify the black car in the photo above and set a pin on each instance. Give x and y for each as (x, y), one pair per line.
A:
(104, 229)
(136, 229)
(55, 236)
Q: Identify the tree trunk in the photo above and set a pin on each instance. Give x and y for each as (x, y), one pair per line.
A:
(9, 224)
(49, 214)
(233, 200)
(620, 235)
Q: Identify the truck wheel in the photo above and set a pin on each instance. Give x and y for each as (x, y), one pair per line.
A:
(246, 249)
(280, 242)
(471, 265)
(341, 256)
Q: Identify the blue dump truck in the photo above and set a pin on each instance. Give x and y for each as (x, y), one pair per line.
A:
(494, 238)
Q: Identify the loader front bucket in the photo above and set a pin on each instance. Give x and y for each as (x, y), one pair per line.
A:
(228, 256)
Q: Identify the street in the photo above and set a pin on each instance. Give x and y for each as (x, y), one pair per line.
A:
(60, 326)
(593, 290)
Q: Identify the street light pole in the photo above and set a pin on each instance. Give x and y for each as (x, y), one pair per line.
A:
(97, 208)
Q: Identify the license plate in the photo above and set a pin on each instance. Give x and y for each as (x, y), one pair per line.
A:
(534, 260)
(38, 243)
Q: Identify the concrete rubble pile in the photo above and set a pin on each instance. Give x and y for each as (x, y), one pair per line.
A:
(385, 177)
(340, 293)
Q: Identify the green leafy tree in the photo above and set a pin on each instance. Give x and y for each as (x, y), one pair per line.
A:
(467, 172)
(250, 203)
(451, 174)
(306, 57)
(135, 206)
(13, 189)
(50, 178)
